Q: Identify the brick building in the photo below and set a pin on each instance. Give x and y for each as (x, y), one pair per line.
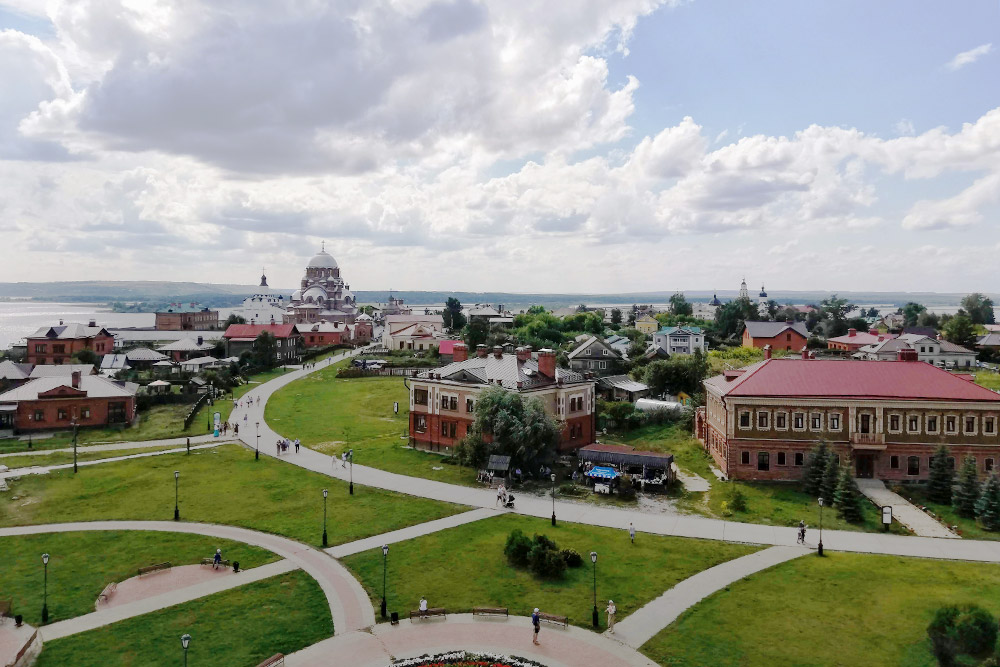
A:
(186, 317)
(57, 402)
(443, 400)
(56, 345)
(885, 417)
(854, 340)
(240, 337)
(787, 335)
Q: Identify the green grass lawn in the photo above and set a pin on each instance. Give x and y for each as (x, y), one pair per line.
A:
(221, 485)
(238, 627)
(770, 503)
(82, 563)
(332, 415)
(844, 609)
(987, 378)
(464, 567)
(57, 458)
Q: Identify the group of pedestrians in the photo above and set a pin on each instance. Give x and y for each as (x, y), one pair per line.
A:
(536, 621)
(284, 444)
(504, 497)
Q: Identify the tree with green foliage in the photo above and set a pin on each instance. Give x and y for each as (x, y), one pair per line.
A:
(858, 323)
(616, 316)
(679, 305)
(960, 331)
(85, 356)
(452, 316)
(682, 372)
(730, 317)
(831, 478)
(234, 319)
(941, 477)
(816, 464)
(476, 332)
(980, 308)
(265, 351)
(961, 630)
(505, 423)
(988, 504)
(847, 497)
(631, 318)
(966, 494)
(910, 312)
(833, 311)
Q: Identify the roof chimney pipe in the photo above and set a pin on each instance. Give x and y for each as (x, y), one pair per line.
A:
(75, 379)
(480, 350)
(767, 351)
(497, 351)
(852, 332)
(805, 352)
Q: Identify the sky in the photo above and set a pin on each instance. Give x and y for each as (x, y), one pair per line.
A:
(598, 146)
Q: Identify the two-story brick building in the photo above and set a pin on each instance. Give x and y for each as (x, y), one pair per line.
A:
(56, 345)
(288, 341)
(787, 335)
(885, 417)
(59, 402)
(443, 400)
(186, 317)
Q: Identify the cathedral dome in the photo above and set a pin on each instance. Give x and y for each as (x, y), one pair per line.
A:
(322, 260)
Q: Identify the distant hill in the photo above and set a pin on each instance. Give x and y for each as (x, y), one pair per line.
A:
(154, 291)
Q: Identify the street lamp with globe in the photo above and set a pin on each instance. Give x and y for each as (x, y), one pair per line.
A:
(819, 550)
(256, 451)
(45, 590)
(593, 559)
(385, 559)
(553, 499)
(326, 492)
(177, 508)
(185, 642)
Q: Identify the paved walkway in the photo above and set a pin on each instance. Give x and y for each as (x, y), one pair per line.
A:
(903, 510)
(660, 523)
(349, 604)
(44, 470)
(640, 626)
(692, 483)
(112, 446)
(559, 647)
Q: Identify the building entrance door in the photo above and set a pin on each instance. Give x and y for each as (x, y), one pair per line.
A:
(864, 465)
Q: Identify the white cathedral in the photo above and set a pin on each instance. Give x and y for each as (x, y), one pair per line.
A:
(761, 298)
(322, 294)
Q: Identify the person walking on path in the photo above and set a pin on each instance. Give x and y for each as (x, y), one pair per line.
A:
(297, 443)
(536, 621)
(802, 533)
(612, 610)
(343, 460)
(501, 495)
(236, 429)
(631, 532)
(278, 446)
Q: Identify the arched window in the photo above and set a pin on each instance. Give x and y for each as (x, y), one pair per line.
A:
(309, 299)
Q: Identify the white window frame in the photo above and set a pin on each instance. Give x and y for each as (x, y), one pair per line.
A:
(954, 431)
(799, 428)
(766, 414)
(784, 414)
(813, 416)
(993, 425)
(739, 420)
(829, 420)
(909, 421)
(927, 424)
(888, 422)
(975, 424)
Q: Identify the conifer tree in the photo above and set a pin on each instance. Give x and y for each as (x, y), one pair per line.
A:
(966, 493)
(831, 476)
(941, 478)
(812, 481)
(848, 497)
(988, 505)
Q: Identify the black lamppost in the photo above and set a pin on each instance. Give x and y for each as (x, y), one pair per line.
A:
(385, 559)
(177, 509)
(74, 447)
(325, 494)
(553, 499)
(45, 590)
(256, 451)
(185, 642)
(819, 551)
(593, 559)
(350, 488)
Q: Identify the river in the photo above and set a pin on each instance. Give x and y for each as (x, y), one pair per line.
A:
(21, 318)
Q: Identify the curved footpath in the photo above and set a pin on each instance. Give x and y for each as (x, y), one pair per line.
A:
(661, 523)
(350, 607)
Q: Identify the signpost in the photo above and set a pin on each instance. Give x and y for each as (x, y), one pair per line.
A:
(887, 516)
(218, 423)
(395, 407)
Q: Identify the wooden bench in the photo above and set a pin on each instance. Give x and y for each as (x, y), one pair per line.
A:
(211, 561)
(150, 569)
(554, 620)
(274, 661)
(489, 611)
(436, 611)
(108, 591)
(5, 607)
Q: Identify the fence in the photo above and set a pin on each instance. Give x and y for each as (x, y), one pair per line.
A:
(356, 372)
(194, 410)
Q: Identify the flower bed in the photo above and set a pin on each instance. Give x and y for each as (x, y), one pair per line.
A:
(466, 659)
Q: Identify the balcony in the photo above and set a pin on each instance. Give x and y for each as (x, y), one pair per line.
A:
(868, 440)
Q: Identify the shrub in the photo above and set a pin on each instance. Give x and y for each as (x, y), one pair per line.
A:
(968, 629)
(546, 562)
(737, 500)
(517, 548)
(572, 557)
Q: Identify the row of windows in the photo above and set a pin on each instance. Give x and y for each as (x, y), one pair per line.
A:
(798, 420)
(61, 414)
(764, 459)
(576, 404)
(933, 424)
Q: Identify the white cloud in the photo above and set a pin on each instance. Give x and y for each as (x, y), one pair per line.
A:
(968, 57)
(904, 128)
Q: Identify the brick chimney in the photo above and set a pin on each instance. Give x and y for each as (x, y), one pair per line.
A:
(805, 352)
(881, 338)
(547, 363)
(767, 351)
(498, 351)
(523, 354)
(789, 322)
(480, 350)
(852, 332)
(201, 341)
(75, 379)
(92, 323)
(460, 352)
(907, 354)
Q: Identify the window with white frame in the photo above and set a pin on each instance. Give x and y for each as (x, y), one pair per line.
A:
(895, 423)
(835, 422)
(763, 418)
(815, 421)
(745, 419)
(988, 465)
(932, 423)
(989, 425)
(951, 424)
(799, 421)
(912, 424)
(781, 420)
(970, 425)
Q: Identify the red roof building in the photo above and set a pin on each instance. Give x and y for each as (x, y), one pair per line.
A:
(854, 340)
(884, 418)
(240, 338)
